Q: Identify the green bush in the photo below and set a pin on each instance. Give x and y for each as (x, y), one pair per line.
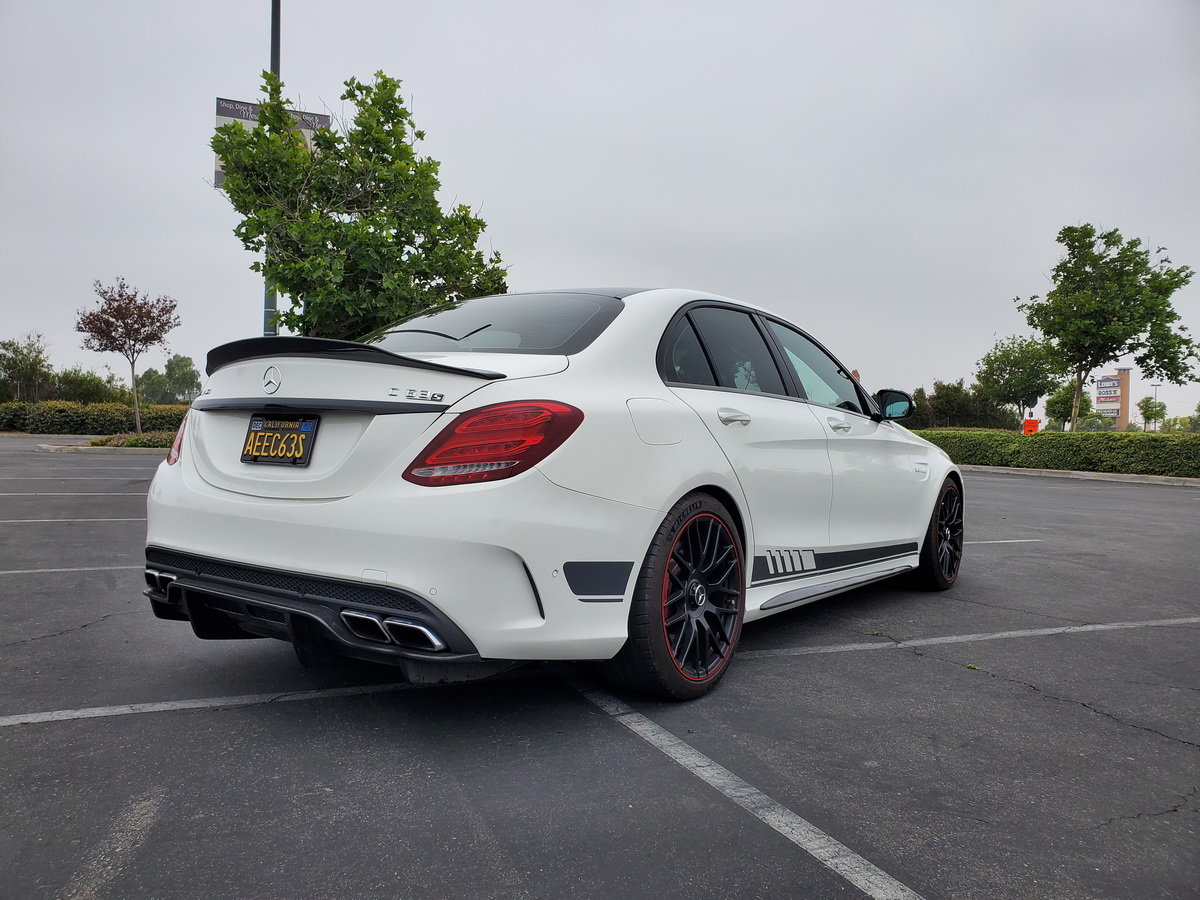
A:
(68, 417)
(14, 416)
(976, 447)
(160, 439)
(1098, 451)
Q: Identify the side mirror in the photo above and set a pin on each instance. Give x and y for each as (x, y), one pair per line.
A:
(895, 404)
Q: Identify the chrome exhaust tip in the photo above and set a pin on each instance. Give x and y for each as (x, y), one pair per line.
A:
(158, 581)
(365, 626)
(411, 634)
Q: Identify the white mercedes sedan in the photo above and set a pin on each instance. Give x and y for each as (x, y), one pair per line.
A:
(615, 475)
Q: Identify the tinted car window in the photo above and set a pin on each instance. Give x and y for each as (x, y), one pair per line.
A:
(738, 351)
(821, 377)
(685, 361)
(550, 323)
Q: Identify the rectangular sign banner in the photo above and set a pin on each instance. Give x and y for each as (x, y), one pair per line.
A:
(245, 114)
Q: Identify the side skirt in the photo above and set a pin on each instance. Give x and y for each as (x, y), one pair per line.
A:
(781, 597)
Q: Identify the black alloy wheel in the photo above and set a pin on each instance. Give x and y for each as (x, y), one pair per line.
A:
(942, 552)
(686, 615)
(701, 591)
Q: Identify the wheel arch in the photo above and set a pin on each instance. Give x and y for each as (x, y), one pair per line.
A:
(727, 500)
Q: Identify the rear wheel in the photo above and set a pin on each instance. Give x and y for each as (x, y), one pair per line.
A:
(942, 552)
(686, 616)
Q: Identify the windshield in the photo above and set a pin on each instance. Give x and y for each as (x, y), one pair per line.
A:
(552, 323)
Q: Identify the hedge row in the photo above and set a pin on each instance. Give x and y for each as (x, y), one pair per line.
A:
(1096, 451)
(156, 439)
(68, 417)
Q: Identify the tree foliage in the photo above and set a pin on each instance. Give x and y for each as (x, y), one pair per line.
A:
(1112, 298)
(1059, 404)
(351, 228)
(1017, 371)
(86, 386)
(951, 405)
(1151, 410)
(129, 323)
(178, 382)
(25, 370)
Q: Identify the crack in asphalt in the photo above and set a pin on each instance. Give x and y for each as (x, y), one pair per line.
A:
(74, 628)
(1184, 800)
(1041, 693)
(1018, 609)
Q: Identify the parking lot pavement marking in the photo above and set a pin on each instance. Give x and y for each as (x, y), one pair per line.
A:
(105, 863)
(79, 569)
(43, 521)
(78, 494)
(1017, 541)
(839, 858)
(134, 709)
(964, 638)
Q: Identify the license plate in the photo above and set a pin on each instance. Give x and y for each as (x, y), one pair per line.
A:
(280, 439)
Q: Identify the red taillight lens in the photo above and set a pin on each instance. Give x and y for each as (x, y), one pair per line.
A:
(177, 445)
(494, 442)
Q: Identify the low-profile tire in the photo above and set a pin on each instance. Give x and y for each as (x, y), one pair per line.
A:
(686, 616)
(941, 553)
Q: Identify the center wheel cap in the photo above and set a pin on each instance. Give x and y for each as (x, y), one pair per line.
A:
(697, 595)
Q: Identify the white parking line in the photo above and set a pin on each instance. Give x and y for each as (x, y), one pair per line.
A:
(1018, 541)
(963, 638)
(42, 521)
(865, 876)
(79, 569)
(133, 709)
(105, 863)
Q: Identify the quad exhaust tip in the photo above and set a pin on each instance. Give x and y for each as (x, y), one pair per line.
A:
(392, 631)
(158, 581)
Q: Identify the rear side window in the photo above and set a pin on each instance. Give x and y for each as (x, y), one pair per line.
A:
(738, 351)
(551, 323)
(685, 362)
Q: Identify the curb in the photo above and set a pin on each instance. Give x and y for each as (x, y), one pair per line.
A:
(1088, 476)
(76, 448)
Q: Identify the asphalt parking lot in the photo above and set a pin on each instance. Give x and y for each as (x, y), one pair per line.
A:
(1032, 733)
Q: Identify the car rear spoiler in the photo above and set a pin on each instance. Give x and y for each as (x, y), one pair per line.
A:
(326, 348)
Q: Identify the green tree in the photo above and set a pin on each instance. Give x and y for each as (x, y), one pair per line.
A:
(1112, 299)
(351, 229)
(1017, 371)
(85, 386)
(178, 383)
(128, 323)
(25, 370)
(1151, 410)
(952, 405)
(1059, 405)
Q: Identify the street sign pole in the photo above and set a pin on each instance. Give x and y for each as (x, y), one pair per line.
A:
(270, 309)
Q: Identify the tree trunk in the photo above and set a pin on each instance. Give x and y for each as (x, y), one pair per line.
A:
(137, 410)
(1075, 402)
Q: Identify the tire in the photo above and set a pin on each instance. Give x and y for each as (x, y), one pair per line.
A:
(688, 603)
(941, 553)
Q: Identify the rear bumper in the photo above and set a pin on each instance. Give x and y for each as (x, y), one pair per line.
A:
(224, 600)
(487, 569)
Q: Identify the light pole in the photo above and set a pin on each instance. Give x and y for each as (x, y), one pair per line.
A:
(1157, 420)
(270, 326)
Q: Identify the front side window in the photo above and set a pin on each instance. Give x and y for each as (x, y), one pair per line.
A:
(739, 353)
(822, 378)
(550, 323)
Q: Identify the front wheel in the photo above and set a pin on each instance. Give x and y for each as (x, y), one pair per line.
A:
(688, 603)
(942, 551)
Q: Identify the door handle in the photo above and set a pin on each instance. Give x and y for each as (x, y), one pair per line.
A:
(732, 416)
(838, 424)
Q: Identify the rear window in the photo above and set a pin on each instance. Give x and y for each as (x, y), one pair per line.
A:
(550, 324)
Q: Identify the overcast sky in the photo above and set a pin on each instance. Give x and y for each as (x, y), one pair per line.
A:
(888, 175)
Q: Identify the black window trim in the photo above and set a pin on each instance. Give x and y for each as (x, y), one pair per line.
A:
(787, 374)
(684, 313)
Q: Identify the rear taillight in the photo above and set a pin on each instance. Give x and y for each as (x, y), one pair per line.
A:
(494, 442)
(177, 445)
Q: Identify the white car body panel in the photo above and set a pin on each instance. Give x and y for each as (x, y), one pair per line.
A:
(491, 556)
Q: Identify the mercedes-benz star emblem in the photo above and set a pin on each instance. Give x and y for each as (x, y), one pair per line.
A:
(272, 379)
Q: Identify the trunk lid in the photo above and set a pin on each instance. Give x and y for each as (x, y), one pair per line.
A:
(372, 407)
